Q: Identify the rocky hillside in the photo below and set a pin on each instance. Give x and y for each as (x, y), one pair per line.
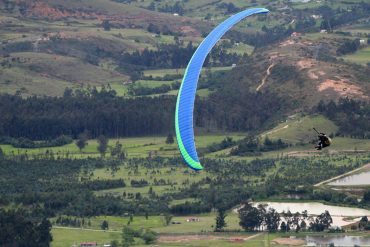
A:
(304, 69)
(298, 51)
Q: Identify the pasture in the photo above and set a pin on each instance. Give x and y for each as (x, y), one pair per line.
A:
(134, 146)
(362, 56)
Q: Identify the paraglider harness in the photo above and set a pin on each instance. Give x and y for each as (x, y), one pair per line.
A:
(324, 141)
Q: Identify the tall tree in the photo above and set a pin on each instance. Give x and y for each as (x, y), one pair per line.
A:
(363, 222)
(104, 225)
(272, 220)
(169, 139)
(250, 218)
(103, 145)
(220, 220)
(82, 140)
(283, 227)
(114, 243)
(127, 237)
(321, 222)
(44, 233)
(168, 218)
(366, 197)
(106, 25)
(149, 237)
(118, 152)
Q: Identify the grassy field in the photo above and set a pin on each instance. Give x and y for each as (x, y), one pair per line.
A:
(46, 74)
(296, 130)
(135, 146)
(300, 128)
(205, 224)
(299, 133)
(178, 176)
(362, 56)
(180, 71)
(152, 83)
(68, 237)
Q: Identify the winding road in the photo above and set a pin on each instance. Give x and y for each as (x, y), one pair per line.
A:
(268, 72)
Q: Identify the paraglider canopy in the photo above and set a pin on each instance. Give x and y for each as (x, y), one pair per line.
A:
(186, 95)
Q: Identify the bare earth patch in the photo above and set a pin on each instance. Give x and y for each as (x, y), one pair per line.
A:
(40, 9)
(321, 72)
(305, 64)
(184, 238)
(289, 241)
(312, 75)
(188, 30)
(342, 87)
(287, 42)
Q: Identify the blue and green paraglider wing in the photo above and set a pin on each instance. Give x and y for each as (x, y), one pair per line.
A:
(186, 95)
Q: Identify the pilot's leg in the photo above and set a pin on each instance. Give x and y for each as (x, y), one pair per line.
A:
(319, 146)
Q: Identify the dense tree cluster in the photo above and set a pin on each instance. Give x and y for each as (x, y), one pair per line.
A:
(269, 35)
(234, 108)
(104, 184)
(23, 46)
(297, 175)
(175, 56)
(22, 228)
(55, 184)
(253, 218)
(260, 217)
(225, 143)
(102, 113)
(334, 197)
(254, 146)
(229, 8)
(333, 18)
(141, 91)
(190, 208)
(65, 186)
(282, 73)
(47, 118)
(166, 56)
(177, 7)
(22, 142)
(348, 46)
(71, 221)
(129, 235)
(348, 113)
(139, 183)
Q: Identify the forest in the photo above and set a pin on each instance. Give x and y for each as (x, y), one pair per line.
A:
(102, 113)
(350, 115)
